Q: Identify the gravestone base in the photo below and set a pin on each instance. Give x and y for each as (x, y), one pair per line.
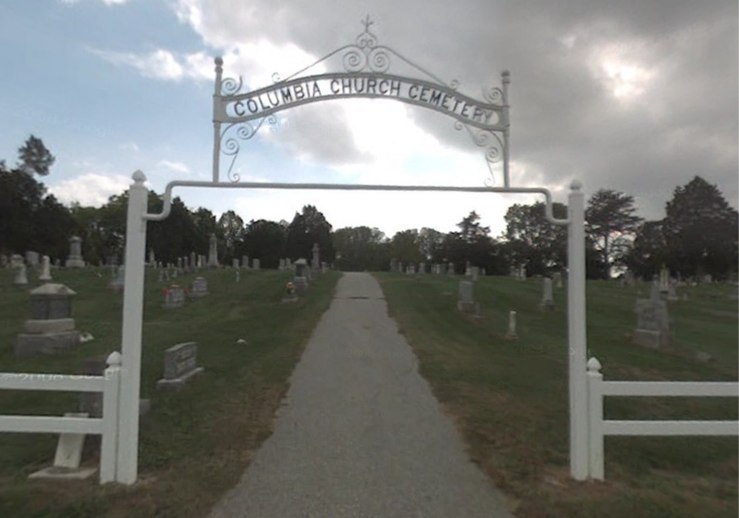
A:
(290, 298)
(45, 343)
(468, 307)
(650, 338)
(73, 262)
(54, 325)
(301, 284)
(178, 383)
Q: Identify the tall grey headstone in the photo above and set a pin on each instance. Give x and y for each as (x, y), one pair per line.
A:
(45, 274)
(547, 300)
(75, 253)
(213, 251)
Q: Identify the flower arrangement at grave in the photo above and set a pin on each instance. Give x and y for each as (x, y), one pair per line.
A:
(290, 289)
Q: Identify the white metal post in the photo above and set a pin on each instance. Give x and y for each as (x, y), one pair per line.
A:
(109, 438)
(576, 333)
(595, 420)
(133, 310)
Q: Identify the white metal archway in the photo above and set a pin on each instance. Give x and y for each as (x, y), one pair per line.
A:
(239, 116)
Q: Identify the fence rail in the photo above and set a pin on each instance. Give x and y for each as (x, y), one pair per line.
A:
(599, 427)
(107, 426)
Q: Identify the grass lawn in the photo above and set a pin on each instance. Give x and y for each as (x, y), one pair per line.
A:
(509, 398)
(195, 443)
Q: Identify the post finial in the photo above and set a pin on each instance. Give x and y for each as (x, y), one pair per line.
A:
(594, 365)
(138, 176)
(114, 359)
(576, 185)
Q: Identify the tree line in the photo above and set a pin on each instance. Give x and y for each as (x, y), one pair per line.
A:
(697, 236)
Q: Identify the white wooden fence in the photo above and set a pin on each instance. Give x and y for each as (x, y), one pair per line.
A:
(598, 427)
(107, 426)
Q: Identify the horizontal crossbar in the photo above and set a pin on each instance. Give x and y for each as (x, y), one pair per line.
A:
(49, 382)
(670, 427)
(671, 388)
(49, 424)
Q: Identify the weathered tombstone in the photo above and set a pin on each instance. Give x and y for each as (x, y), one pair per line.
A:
(628, 278)
(16, 260)
(557, 279)
(235, 263)
(255, 264)
(245, 261)
(119, 283)
(422, 268)
(393, 265)
(467, 269)
(238, 275)
(324, 267)
(671, 292)
(213, 252)
(466, 302)
(664, 281)
(21, 278)
(74, 260)
(67, 457)
(180, 364)
(511, 333)
(547, 300)
(160, 277)
(512, 272)
(474, 273)
(199, 287)
(707, 279)
(281, 265)
(300, 280)
(522, 273)
(32, 258)
(450, 269)
(193, 261)
(4, 260)
(653, 326)
(174, 296)
(152, 259)
(45, 274)
(411, 269)
(51, 326)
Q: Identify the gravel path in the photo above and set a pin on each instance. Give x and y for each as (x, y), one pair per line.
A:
(360, 433)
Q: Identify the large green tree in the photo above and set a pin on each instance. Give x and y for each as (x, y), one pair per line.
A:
(611, 223)
(264, 240)
(308, 227)
(700, 230)
(360, 248)
(534, 241)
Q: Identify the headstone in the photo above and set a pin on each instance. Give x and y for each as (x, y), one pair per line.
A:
(450, 269)
(51, 326)
(213, 252)
(422, 268)
(119, 283)
(180, 364)
(324, 267)
(522, 273)
(628, 278)
(301, 271)
(547, 301)
(707, 279)
(467, 269)
(393, 265)
(193, 261)
(653, 326)
(174, 296)
(74, 260)
(281, 265)
(199, 287)
(474, 273)
(67, 457)
(664, 281)
(245, 261)
(32, 258)
(466, 302)
(511, 333)
(238, 275)
(235, 263)
(16, 260)
(557, 279)
(179, 263)
(152, 259)
(255, 264)
(45, 274)
(671, 291)
(160, 277)
(21, 278)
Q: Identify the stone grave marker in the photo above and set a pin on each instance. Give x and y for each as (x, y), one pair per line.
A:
(51, 326)
(235, 263)
(466, 301)
(653, 325)
(255, 264)
(300, 279)
(547, 300)
(119, 283)
(180, 365)
(174, 296)
(199, 287)
(32, 258)
(511, 333)
(213, 252)
(21, 277)
(316, 261)
(45, 274)
(74, 260)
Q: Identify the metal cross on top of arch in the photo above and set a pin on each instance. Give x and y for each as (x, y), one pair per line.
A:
(366, 73)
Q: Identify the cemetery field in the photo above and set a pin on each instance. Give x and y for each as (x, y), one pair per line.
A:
(510, 401)
(194, 443)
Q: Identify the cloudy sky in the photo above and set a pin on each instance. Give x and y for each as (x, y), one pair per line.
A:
(634, 95)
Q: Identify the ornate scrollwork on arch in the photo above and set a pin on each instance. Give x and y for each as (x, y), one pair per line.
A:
(366, 55)
(490, 140)
(236, 132)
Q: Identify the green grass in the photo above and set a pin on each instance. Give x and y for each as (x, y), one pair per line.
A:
(195, 443)
(510, 400)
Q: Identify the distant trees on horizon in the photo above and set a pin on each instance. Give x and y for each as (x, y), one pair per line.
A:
(697, 236)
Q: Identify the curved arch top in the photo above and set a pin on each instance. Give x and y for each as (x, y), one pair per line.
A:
(365, 74)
